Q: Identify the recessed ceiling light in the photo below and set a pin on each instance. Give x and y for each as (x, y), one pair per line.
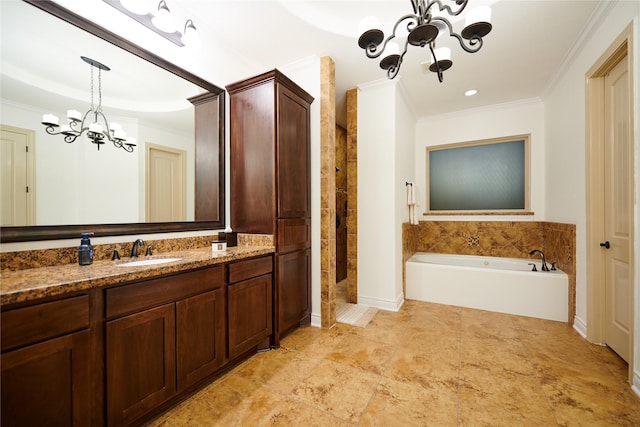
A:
(470, 92)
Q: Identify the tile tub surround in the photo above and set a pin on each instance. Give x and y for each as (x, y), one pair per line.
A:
(427, 364)
(509, 239)
(35, 283)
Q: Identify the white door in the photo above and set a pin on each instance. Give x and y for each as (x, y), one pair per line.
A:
(166, 184)
(16, 209)
(618, 209)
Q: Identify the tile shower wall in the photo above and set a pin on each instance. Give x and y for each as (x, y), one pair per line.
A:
(327, 193)
(341, 204)
(352, 196)
(509, 239)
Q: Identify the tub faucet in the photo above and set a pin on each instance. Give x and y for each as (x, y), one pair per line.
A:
(134, 248)
(544, 262)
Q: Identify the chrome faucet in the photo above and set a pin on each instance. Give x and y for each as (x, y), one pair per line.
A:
(134, 249)
(544, 262)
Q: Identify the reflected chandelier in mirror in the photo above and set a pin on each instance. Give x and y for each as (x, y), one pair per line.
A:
(96, 131)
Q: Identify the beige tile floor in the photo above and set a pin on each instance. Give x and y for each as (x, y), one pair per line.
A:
(427, 364)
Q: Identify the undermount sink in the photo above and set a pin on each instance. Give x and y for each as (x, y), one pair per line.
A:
(142, 262)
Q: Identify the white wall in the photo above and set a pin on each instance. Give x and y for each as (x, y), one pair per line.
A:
(565, 163)
(525, 117)
(385, 134)
(404, 172)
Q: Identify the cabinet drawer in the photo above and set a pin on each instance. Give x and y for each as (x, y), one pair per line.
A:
(250, 268)
(293, 234)
(29, 325)
(139, 296)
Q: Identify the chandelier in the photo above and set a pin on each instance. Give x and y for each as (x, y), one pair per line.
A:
(93, 122)
(424, 25)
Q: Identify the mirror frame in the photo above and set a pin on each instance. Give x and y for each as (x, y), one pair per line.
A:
(54, 232)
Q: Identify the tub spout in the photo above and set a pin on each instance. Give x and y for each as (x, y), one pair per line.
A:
(544, 262)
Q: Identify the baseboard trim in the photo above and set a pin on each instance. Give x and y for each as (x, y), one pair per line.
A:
(383, 304)
(636, 383)
(580, 326)
(316, 320)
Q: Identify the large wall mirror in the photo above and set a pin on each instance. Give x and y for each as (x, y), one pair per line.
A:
(74, 187)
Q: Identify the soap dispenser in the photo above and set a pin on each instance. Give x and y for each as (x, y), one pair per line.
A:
(85, 250)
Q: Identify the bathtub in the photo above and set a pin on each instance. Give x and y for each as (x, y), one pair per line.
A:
(505, 285)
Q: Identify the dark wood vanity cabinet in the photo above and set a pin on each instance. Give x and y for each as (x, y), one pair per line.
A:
(201, 333)
(270, 183)
(117, 356)
(162, 336)
(293, 269)
(250, 304)
(141, 363)
(45, 364)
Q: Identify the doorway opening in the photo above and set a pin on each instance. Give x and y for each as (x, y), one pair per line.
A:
(165, 184)
(17, 171)
(341, 216)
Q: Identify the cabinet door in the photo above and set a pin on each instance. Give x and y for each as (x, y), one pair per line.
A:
(141, 363)
(201, 336)
(250, 315)
(252, 167)
(293, 274)
(293, 165)
(47, 384)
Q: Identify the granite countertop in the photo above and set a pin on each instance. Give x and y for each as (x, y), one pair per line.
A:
(34, 283)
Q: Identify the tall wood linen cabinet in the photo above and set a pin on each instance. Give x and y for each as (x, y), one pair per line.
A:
(271, 184)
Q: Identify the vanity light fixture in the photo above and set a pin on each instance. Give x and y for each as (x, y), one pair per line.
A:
(163, 19)
(427, 22)
(161, 23)
(93, 122)
(190, 35)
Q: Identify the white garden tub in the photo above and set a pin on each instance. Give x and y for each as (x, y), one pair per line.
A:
(505, 285)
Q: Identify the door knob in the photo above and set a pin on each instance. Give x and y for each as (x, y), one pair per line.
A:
(605, 244)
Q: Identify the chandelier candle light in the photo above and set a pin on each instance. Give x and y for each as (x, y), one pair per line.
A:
(425, 24)
(96, 131)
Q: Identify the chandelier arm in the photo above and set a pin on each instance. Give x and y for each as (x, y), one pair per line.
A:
(416, 6)
(70, 138)
(475, 42)
(374, 51)
(435, 61)
(84, 118)
(392, 72)
(447, 8)
(107, 130)
(73, 124)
